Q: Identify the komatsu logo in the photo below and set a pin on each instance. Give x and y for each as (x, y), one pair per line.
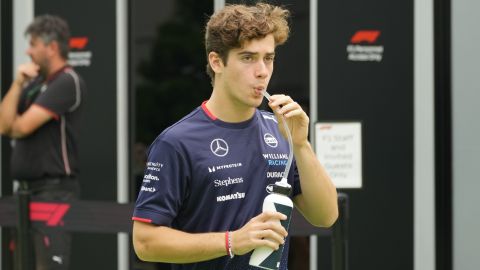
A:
(234, 196)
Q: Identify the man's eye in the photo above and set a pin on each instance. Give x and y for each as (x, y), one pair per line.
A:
(269, 59)
(247, 58)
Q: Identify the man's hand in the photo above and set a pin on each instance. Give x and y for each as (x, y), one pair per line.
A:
(262, 230)
(26, 72)
(297, 119)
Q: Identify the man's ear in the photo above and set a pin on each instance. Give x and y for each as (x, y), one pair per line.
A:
(54, 47)
(215, 62)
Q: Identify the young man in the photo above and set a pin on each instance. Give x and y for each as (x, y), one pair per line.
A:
(207, 175)
(41, 113)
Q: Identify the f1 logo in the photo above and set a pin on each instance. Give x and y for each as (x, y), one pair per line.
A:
(78, 42)
(369, 36)
(51, 213)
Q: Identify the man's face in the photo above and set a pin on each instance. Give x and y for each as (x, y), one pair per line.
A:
(39, 52)
(248, 71)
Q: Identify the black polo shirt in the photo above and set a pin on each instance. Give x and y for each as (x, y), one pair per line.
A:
(51, 150)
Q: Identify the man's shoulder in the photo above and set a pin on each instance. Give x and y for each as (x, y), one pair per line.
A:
(191, 125)
(68, 76)
(267, 118)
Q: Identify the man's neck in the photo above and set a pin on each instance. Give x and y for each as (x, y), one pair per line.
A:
(227, 111)
(55, 66)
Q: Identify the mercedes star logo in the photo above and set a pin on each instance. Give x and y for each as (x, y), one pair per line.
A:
(219, 147)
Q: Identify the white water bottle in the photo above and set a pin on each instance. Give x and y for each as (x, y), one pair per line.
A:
(277, 201)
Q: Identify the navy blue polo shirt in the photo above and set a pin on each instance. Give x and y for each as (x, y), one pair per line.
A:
(206, 175)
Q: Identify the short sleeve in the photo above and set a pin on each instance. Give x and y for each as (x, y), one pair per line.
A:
(60, 95)
(297, 189)
(164, 185)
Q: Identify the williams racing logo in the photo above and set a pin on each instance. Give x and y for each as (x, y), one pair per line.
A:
(363, 47)
(276, 159)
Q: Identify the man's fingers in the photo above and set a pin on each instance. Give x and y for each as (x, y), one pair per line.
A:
(272, 236)
(271, 215)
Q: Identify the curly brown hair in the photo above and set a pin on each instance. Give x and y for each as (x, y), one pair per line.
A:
(230, 27)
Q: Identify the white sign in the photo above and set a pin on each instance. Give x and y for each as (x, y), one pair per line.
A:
(339, 148)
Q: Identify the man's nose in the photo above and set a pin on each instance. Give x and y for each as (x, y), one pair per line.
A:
(261, 70)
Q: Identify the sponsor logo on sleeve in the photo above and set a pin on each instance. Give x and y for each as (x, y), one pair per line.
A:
(149, 177)
(154, 166)
(148, 189)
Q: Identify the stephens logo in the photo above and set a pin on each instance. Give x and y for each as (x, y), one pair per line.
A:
(270, 140)
(227, 182)
(219, 147)
(79, 56)
(51, 213)
(362, 48)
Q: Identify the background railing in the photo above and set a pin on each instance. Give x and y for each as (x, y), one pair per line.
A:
(112, 217)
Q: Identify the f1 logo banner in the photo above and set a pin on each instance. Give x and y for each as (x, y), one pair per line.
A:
(50, 213)
(365, 75)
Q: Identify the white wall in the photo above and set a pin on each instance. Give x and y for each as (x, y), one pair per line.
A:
(424, 168)
(466, 133)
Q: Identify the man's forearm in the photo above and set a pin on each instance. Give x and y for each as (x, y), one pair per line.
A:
(319, 196)
(9, 107)
(164, 244)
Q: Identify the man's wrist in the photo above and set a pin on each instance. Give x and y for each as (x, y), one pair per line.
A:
(302, 145)
(19, 82)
